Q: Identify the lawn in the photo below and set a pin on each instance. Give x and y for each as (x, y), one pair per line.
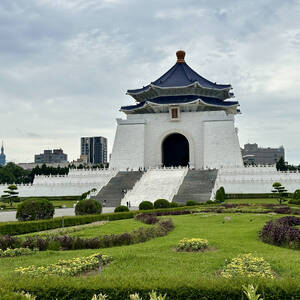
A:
(56, 203)
(155, 262)
(91, 230)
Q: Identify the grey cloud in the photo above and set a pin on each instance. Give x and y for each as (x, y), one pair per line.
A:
(66, 65)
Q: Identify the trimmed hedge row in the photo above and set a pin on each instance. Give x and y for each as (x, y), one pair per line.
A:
(217, 289)
(55, 198)
(15, 228)
(254, 196)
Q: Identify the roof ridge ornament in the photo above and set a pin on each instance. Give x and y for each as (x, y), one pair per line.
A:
(180, 56)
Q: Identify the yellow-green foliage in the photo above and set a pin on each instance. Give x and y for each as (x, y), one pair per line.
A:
(194, 244)
(70, 267)
(16, 252)
(251, 292)
(248, 265)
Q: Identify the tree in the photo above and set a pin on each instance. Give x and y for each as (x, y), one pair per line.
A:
(280, 165)
(11, 194)
(280, 191)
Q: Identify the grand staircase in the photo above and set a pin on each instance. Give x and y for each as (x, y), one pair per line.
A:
(197, 186)
(113, 192)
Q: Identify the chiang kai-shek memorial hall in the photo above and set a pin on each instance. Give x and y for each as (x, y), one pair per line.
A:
(180, 119)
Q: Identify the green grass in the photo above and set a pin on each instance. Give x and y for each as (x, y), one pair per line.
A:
(114, 227)
(253, 201)
(56, 203)
(157, 263)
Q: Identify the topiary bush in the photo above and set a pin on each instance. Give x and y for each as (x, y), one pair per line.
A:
(191, 203)
(35, 209)
(144, 205)
(220, 195)
(174, 204)
(88, 207)
(161, 203)
(121, 208)
(296, 198)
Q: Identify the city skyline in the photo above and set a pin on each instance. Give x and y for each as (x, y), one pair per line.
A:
(67, 78)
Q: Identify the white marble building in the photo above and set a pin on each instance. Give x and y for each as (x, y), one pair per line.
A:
(180, 119)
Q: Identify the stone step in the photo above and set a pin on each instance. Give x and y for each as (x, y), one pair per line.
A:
(112, 194)
(197, 186)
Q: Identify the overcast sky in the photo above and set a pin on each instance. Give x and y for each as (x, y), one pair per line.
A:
(65, 65)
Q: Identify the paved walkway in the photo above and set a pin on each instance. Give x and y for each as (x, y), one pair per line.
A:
(6, 216)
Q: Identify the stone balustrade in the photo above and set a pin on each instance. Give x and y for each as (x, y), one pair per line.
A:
(75, 183)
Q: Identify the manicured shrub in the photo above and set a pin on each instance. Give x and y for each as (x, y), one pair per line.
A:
(144, 205)
(296, 198)
(192, 245)
(35, 209)
(220, 195)
(247, 265)
(121, 208)
(161, 203)
(88, 207)
(281, 232)
(173, 204)
(209, 202)
(296, 195)
(191, 203)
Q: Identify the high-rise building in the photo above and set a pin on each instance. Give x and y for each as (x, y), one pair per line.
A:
(95, 149)
(2, 156)
(252, 154)
(49, 156)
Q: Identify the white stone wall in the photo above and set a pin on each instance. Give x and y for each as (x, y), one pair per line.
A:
(75, 183)
(129, 145)
(221, 144)
(254, 180)
(139, 138)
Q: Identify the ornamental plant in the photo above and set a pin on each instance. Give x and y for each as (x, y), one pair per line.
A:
(35, 209)
(282, 232)
(88, 207)
(247, 265)
(69, 267)
(161, 203)
(121, 208)
(17, 252)
(280, 191)
(194, 244)
(144, 205)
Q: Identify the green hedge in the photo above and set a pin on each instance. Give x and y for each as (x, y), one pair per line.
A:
(55, 198)
(15, 228)
(217, 289)
(254, 196)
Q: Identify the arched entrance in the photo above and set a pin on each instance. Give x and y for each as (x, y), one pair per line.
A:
(175, 150)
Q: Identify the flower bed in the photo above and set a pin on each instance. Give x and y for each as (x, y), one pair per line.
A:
(281, 232)
(247, 265)
(17, 252)
(192, 245)
(70, 267)
(140, 235)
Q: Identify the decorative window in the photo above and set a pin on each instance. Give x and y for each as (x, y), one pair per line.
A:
(174, 113)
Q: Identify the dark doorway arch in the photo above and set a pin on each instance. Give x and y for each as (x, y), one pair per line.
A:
(175, 150)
